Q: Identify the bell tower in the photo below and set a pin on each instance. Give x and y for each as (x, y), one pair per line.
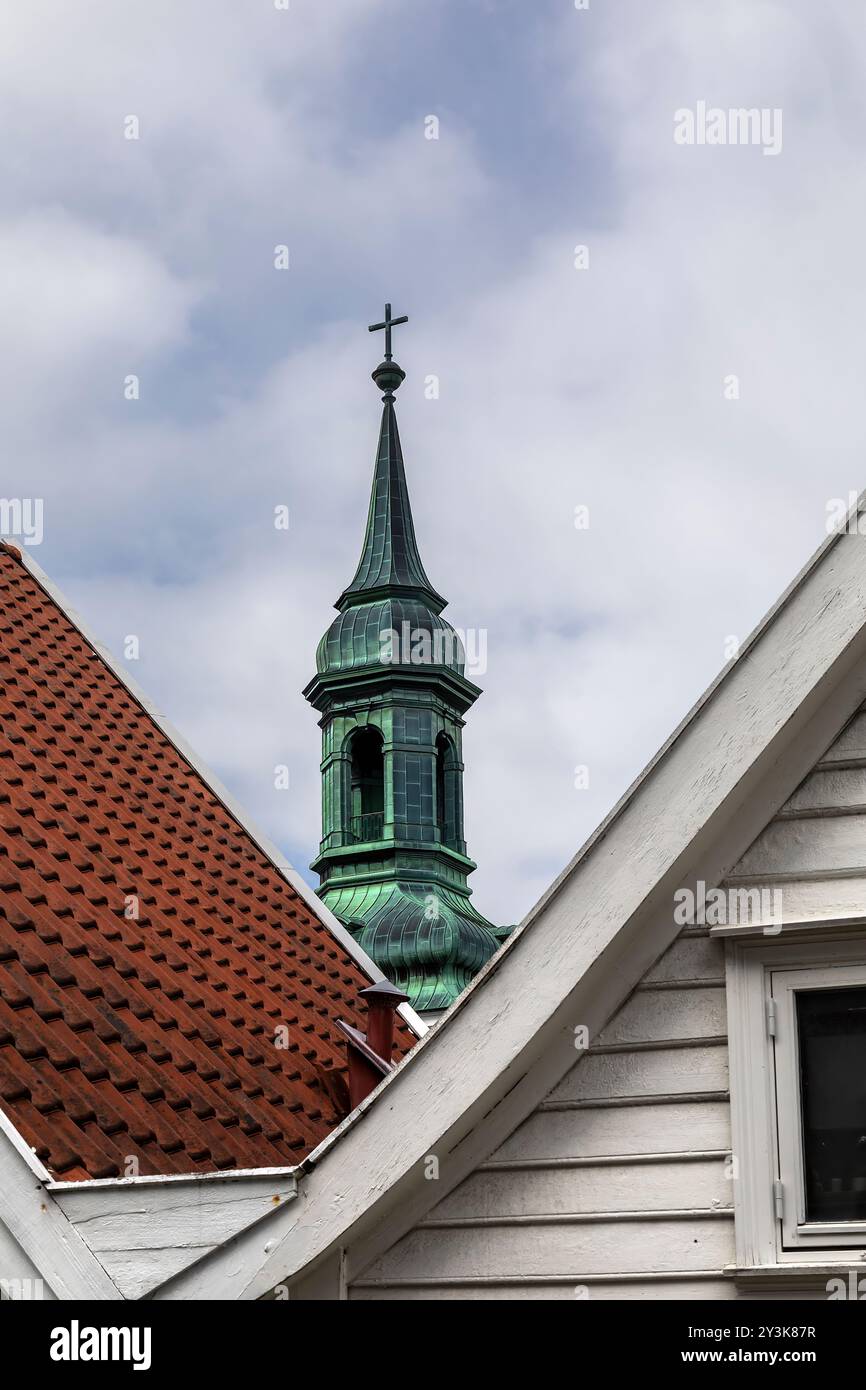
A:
(392, 694)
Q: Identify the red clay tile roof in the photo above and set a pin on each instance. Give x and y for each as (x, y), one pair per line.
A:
(148, 1038)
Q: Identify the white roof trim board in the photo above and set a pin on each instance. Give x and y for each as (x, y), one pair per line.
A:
(510, 1037)
(35, 1235)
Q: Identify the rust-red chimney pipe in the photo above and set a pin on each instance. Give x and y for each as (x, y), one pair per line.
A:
(370, 1053)
(383, 1000)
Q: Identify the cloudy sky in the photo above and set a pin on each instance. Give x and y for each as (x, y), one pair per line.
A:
(605, 386)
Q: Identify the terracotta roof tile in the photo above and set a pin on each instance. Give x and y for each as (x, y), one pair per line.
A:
(150, 953)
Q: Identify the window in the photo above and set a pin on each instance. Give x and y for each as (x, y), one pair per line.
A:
(448, 819)
(820, 1064)
(367, 785)
(797, 1034)
(831, 1027)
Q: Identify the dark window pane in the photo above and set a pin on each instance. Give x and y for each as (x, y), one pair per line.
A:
(832, 1029)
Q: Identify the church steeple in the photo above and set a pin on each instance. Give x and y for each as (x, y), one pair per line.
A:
(392, 692)
(390, 562)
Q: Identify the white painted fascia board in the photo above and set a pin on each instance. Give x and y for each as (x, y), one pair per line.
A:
(35, 1221)
(17, 1141)
(819, 926)
(510, 1036)
(233, 1175)
(264, 843)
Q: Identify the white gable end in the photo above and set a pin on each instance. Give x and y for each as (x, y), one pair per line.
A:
(620, 1184)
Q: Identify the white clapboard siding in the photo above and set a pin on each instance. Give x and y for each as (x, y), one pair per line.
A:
(825, 845)
(668, 1071)
(608, 1187)
(819, 899)
(834, 791)
(632, 1129)
(850, 746)
(692, 957)
(619, 1178)
(664, 1015)
(679, 1245)
(678, 1290)
(813, 853)
(617, 1186)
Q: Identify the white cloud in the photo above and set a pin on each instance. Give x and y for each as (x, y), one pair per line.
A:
(71, 294)
(558, 387)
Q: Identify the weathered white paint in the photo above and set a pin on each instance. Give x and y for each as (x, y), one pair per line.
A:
(708, 1287)
(692, 957)
(146, 1232)
(828, 846)
(834, 792)
(32, 1220)
(666, 1015)
(577, 1249)
(615, 1142)
(663, 1071)
(850, 746)
(19, 1276)
(822, 901)
(622, 1170)
(663, 1185)
(634, 1129)
(817, 839)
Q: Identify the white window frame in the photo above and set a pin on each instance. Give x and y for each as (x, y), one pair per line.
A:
(797, 1233)
(765, 1098)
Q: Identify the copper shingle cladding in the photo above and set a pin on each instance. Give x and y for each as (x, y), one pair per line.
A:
(150, 953)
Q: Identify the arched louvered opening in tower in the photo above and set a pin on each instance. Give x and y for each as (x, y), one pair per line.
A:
(366, 801)
(449, 817)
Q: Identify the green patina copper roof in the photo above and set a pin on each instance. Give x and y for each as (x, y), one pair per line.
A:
(389, 558)
(389, 631)
(390, 681)
(429, 942)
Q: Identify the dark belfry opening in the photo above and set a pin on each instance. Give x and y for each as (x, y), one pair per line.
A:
(447, 792)
(367, 774)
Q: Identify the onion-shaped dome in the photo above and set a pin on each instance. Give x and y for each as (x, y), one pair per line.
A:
(390, 632)
(428, 941)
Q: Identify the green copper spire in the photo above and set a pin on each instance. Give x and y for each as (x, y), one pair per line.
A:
(390, 561)
(392, 691)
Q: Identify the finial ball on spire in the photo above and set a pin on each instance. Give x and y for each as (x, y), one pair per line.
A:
(388, 376)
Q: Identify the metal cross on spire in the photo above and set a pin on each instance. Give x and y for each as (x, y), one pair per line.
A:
(388, 323)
